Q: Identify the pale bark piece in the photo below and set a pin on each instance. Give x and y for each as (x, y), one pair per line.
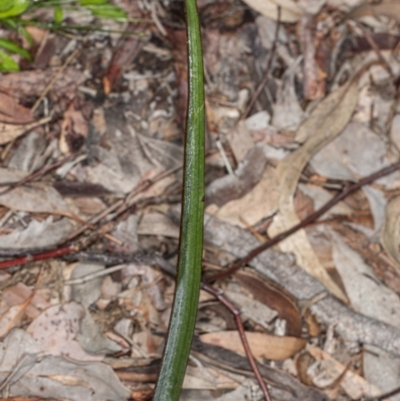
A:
(290, 11)
(262, 345)
(326, 121)
(281, 268)
(390, 234)
(9, 132)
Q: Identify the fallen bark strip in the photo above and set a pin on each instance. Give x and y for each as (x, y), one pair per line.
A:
(281, 268)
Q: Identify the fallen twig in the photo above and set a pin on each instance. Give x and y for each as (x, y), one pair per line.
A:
(304, 223)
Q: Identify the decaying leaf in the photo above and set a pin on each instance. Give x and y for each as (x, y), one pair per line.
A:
(12, 318)
(354, 385)
(288, 113)
(37, 198)
(325, 122)
(262, 345)
(388, 8)
(253, 206)
(275, 297)
(9, 132)
(38, 234)
(92, 380)
(32, 83)
(290, 11)
(12, 112)
(390, 235)
(371, 298)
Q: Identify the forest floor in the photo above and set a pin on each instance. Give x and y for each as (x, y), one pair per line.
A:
(301, 104)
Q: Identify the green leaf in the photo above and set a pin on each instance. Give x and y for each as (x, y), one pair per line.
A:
(58, 15)
(7, 63)
(183, 318)
(107, 11)
(17, 8)
(12, 47)
(92, 2)
(6, 5)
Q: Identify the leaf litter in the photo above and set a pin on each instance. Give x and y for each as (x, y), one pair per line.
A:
(319, 305)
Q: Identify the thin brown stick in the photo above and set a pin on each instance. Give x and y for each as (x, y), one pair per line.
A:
(50, 254)
(122, 204)
(376, 49)
(264, 81)
(308, 220)
(54, 79)
(239, 325)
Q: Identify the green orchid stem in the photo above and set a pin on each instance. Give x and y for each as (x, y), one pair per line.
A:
(188, 279)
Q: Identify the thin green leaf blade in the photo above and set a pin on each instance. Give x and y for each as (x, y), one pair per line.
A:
(14, 48)
(7, 63)
(183, 318)
(107, 11)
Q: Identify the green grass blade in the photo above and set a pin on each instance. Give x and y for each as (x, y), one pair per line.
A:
(14, 48)
(188, 279)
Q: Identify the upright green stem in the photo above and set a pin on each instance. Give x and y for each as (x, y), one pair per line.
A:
(188, 279)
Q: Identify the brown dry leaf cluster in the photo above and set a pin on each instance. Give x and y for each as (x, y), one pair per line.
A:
(91, 148)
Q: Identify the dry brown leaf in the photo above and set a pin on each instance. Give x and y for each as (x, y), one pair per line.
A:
(12, 318)
(262, 345)
(388, 8)
(290, 11)
(390, 235)
(326, 121)
(202, 378)
(240, 141)
(15, 296)
(12, 112)
(157, 224)
(253, 206)
(9, 132)
(275, 297)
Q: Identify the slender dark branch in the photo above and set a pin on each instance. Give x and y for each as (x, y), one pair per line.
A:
(264, 81)
(239, 325)
(52, 253)
(308, 220)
